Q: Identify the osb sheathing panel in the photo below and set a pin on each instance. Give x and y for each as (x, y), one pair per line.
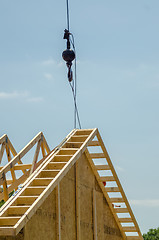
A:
(67, 206)
(43, 223)
(99, 212)
(42, 226)
(86, 185)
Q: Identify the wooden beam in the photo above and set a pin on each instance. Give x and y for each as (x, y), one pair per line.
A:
(43, 149)
(121, 210)
(9, 159)
(125, 220)
(22, 166)
(8, 221)
(17, 210)
(134, 238)
(104, 192)
(56, 165)
(35, 157)
(129, 229)
(118, 183)
(17, 158)
(78, 138)
(55, 181)
(93, 144)
(46, 145)
(3, 138)
(112, 189)
(77, 190)
(97, 155)
(2, 151)
(107, 179)
(15, 184)
(116, 200)
(102, 167)
(5, 188)
(41, 181)
(94, 215)
(58, 212)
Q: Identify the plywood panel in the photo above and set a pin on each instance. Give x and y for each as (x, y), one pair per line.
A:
(43, 223)
(67, 206)
(99, 212)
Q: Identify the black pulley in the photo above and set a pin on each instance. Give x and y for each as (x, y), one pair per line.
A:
(68, 55)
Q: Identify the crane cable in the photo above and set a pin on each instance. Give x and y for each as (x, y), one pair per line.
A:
(72, 82)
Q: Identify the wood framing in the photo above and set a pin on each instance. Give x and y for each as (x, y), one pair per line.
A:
(80, 194)
(15, 164)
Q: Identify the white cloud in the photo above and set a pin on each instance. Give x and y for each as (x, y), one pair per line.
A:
(19, 95)
(13, 95)
(120, 169)
(35, 99)
(49, 62)
(48, 76)
(146, 202)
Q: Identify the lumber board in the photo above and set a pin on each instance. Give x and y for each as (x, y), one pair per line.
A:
(121, 210)
(2, 151)
(8, 221)
(43, 149)
(35, 157)
(58, 212)
(103, 190)
(62, 158)
(83, 132)
(78, 138)
(18, 157)
(73, 145)
(78, 232)
(3, 138)
(56, 165)
(118, 182)
(97, 155)
(7, 231)
(102, 167)
(22, 167)
(107, 179)
(17, 210)
(5, 189)
(116, 200)
(26, 200)
(94, 215)
(134, 238)
(49, 173)
(112, 189)
(93, 143)
(125, 220)
(34, 190)
(129, 229)
(41, 181)
(54, 183)
(67, 151)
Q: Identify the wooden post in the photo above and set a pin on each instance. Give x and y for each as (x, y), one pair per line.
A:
(58, 212)
(9, 159)
(2, 151)
(43, 149)
(94, 215)
(77, 202)
(35, 157)
(5, 188)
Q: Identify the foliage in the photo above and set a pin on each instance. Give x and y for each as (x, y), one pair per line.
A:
(152, 234)
(2, 201)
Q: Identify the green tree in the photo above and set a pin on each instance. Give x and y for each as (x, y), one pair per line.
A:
(152, 234)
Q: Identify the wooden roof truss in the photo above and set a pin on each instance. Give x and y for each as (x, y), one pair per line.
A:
(20, 208)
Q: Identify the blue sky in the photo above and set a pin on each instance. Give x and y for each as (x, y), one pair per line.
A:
(118, 83)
